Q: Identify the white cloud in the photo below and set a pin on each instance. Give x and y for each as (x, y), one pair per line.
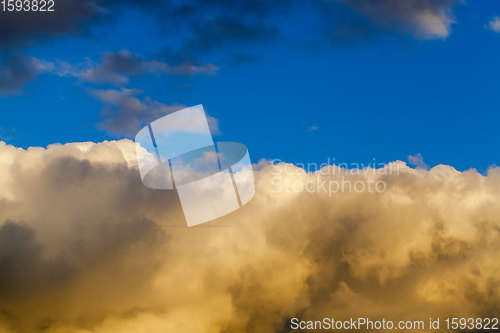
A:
(433, 25)
(494, 24)
(313, 129)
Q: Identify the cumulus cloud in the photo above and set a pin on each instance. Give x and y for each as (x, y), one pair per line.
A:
(125, 114)
(84, 247)
(494, 24)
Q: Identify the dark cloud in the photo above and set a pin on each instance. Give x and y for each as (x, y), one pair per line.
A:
(125, 113)
(220, 24)
(117, 67)
(16, 70)
(41, 259)
(220, 30)
(208, 24)
(113, 68)
(21, 259)
(205, 28)
(69, 17)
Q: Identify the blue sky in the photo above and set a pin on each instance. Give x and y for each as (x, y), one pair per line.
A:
(291, 92)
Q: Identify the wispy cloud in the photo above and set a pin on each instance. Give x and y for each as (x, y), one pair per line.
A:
(494, 24)
(118, 67)
(313, 129)
(113, 68)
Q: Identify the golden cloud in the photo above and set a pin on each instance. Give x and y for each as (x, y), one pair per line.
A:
(85, 247)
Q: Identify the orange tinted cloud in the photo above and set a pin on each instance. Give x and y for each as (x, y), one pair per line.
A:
(85, 247)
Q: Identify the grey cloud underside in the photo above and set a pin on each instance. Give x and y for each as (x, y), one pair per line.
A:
(15, 71)
(204, 27)
(41, 257)
(68, 18)
(24, 27)
(125, 111)
(427, 18)
(74, 17)
(213, 23)
(118, 67)
(115, 68)
(125, 114)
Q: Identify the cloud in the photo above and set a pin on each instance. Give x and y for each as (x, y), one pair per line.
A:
(117, 68)
(218, 31)
(418, 161)
(74, 17)
(313, 129)
(114, 68)
(125, 114)
(18, 242)
(42, 256)
(494, 24)
(25, 27)
(16, 70)
(85, 247)
(428, 19)
(206, 25)
(211, 26)
(69, 17)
